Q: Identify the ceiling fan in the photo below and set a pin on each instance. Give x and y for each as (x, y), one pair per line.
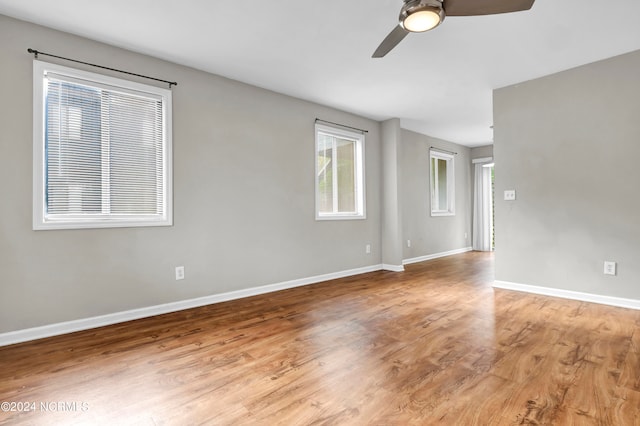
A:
(417, 16)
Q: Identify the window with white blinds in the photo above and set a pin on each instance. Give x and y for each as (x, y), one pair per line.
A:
(102, 151)
(442, 178)
(339, 174)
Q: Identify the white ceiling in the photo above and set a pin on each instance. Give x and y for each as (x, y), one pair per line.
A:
(438, 83)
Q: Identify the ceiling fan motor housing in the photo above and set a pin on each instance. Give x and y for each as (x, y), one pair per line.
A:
(411, 7)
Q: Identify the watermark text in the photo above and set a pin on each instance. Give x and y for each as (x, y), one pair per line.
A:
(44, 406)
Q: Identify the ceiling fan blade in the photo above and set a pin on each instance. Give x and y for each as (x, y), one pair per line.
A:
(484, 7)
(390, 42)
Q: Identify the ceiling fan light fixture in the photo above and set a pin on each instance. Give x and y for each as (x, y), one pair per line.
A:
(419, 16)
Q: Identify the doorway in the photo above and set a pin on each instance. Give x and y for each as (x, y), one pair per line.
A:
(483, 205)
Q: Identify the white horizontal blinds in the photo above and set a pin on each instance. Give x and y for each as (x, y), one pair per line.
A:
(439, 184)
(325, 177)
(336, 174)
(104, 150)
(73, 145)
(136, 154)
(346, 174)
(339, 174)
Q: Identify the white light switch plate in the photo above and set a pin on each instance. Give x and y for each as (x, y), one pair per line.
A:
(179, 273)
(609, 268)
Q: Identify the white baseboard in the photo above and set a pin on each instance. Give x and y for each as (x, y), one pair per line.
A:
(393, 268)
(568, 294)
(34, 333)
(435, 256)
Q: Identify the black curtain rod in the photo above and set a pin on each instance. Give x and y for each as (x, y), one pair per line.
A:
(342, 125)
(443, 150)
(36, 53)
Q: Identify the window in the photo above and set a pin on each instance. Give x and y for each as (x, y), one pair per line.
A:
(442, 184)
(339, 174)
(102, 151)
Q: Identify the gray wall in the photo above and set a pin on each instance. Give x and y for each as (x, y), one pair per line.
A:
(391, 202)
(569, 144)
(482, 151)
(432, 235)
(243, 197)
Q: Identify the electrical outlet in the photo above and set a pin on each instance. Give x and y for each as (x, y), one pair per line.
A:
(179, 273)
(367, 249)
(510, 195)
(408, 243)
(465, 236)
(609, 267)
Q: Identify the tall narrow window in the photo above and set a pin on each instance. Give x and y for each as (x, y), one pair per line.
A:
(442, 184)
(102, 151)
(339, 174)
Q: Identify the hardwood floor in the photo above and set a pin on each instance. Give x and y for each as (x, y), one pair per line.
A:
(433, 345)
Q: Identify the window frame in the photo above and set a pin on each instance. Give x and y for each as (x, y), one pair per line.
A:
(360, 199)
(40, 219)
(433, 185)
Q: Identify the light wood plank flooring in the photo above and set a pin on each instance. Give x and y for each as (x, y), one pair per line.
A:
(433, 345)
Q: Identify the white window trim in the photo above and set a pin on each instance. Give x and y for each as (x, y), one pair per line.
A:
(360, 174)
(450, 211)
(86, 221)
